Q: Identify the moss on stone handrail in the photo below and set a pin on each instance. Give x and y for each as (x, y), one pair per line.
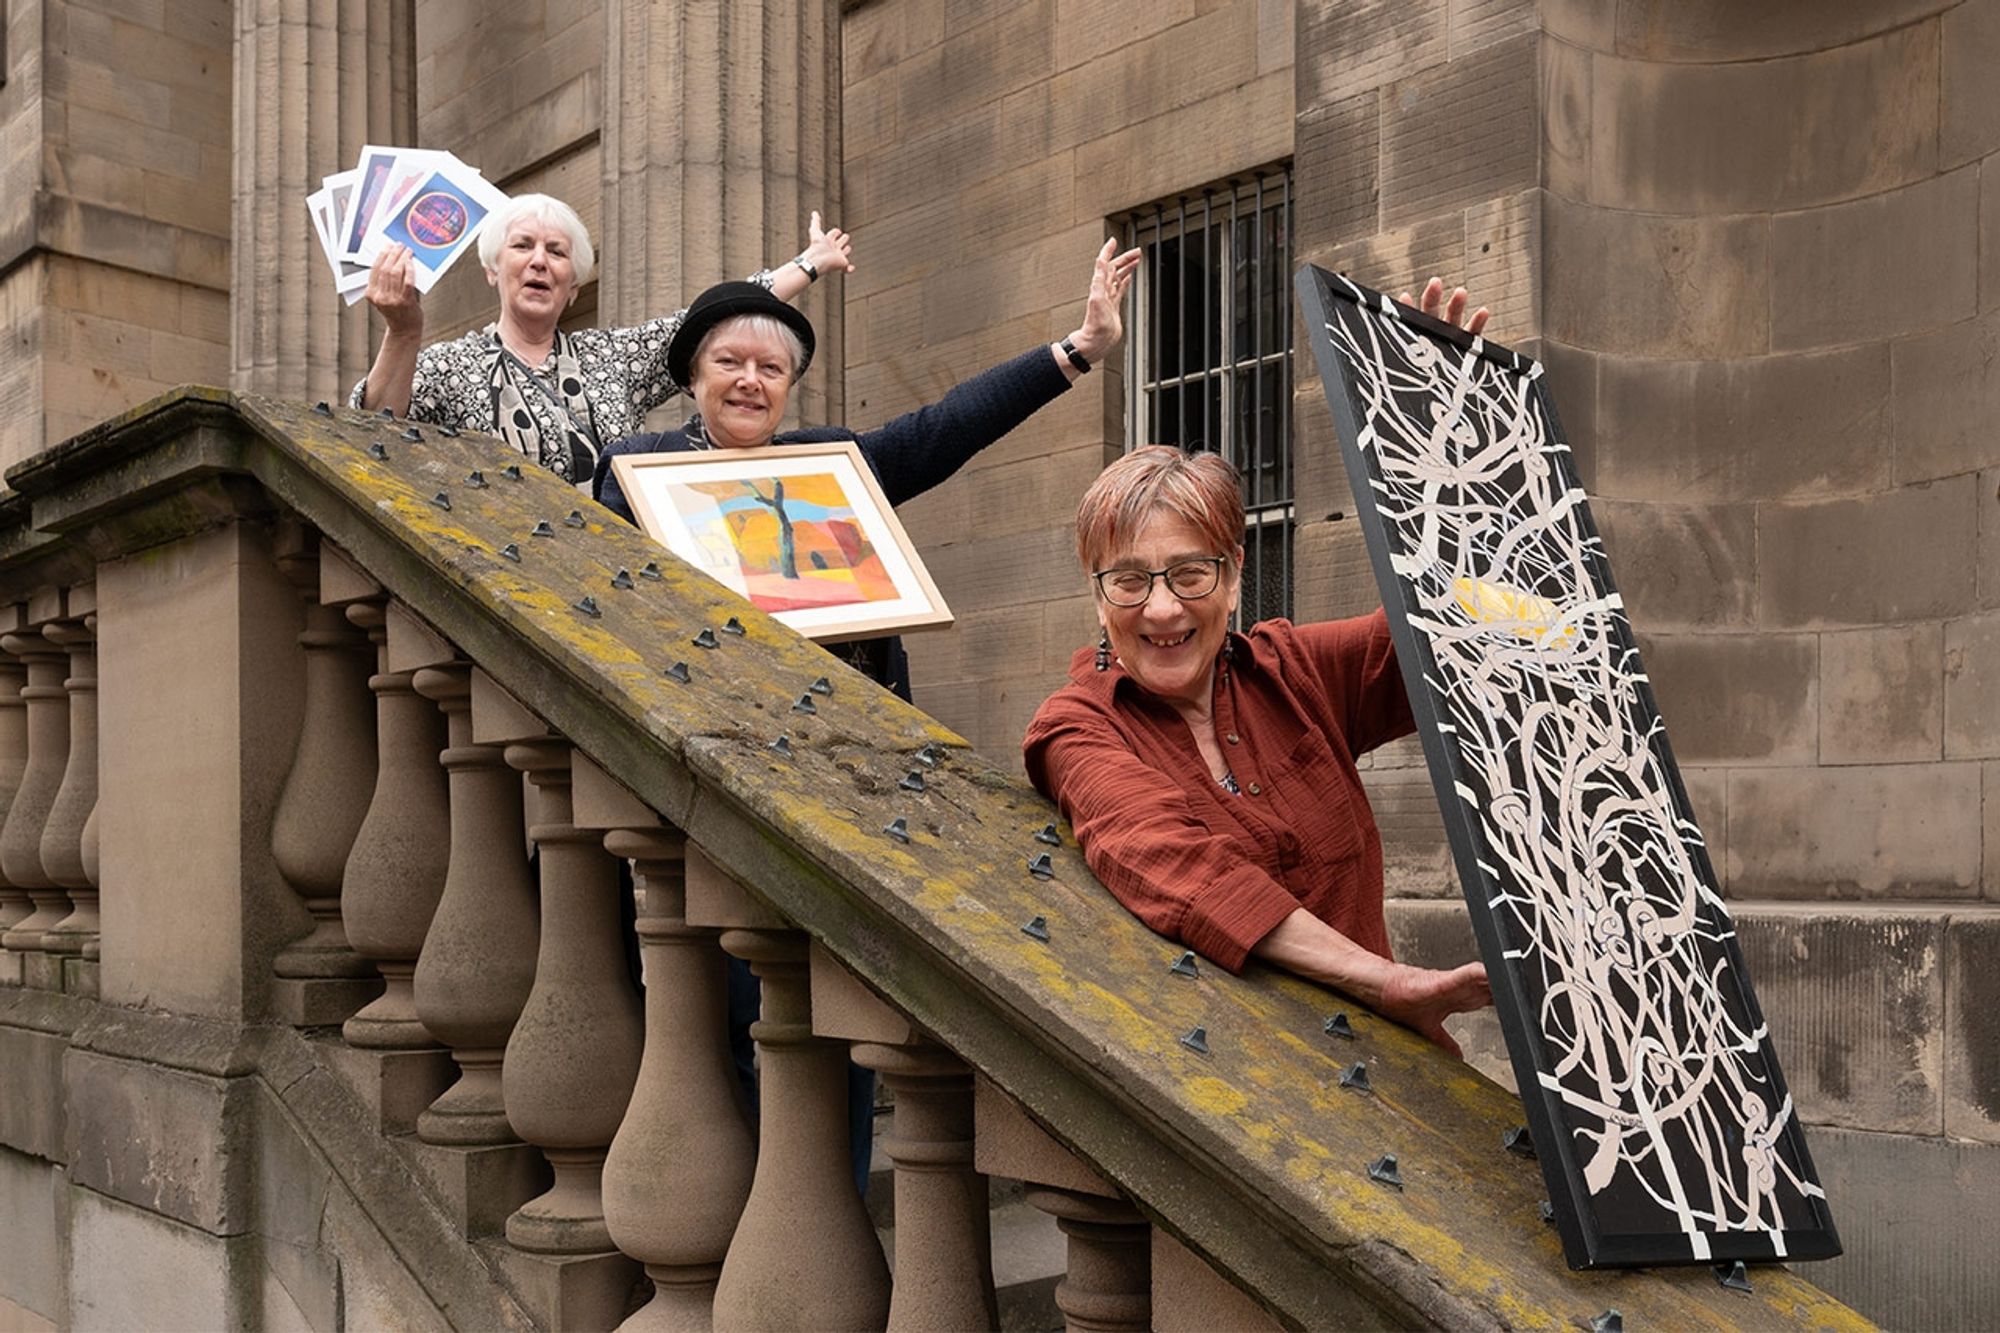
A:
(1252, 1153)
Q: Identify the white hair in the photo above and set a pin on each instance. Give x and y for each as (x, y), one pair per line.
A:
(769, 326)
(548, 210)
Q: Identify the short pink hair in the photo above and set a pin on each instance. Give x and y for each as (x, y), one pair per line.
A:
(1201, 488)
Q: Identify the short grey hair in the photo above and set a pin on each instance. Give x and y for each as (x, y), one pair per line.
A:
(767, 325)
(548, 210)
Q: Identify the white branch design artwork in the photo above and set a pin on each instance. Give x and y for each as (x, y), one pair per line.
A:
(1590, 863)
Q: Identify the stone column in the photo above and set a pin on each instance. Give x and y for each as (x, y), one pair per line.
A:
(315, 80)
(15, 904)
(708, 178)
(395, 873)
(76, 799)
(804, 1185)
(574, 1055)
(478, 963)
(48, 756)
(325, 798)
(680, 1169)
(944, 1254)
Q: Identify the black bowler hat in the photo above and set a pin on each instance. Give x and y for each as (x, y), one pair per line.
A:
(725, 300)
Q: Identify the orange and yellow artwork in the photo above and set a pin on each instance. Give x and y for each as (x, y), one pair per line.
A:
(794, 542)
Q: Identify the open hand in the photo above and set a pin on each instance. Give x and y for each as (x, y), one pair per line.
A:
(828, 251)
(1453, 310)
(1420, 998)
(1103, 318)
(392, 291)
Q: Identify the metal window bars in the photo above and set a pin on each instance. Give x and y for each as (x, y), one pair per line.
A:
(1209, 365)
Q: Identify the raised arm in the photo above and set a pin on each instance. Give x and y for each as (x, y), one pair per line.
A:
(391, 291)
(1103, 318)
(826, 252)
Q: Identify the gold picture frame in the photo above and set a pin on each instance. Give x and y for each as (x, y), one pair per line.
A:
(801, 531)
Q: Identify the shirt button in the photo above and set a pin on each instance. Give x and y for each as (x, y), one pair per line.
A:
(1233, 738)
(1256, 790)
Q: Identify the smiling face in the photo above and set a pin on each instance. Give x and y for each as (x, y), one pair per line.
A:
(742, 376)
(1165, 644)
(535, 273)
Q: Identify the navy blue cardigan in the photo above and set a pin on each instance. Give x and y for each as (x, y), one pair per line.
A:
(909, 455)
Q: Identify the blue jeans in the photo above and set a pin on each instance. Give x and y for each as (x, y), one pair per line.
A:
(745, 998)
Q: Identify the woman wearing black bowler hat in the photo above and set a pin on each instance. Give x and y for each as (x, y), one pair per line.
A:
(739, 351)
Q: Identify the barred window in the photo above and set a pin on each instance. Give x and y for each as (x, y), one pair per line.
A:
(1209, 355)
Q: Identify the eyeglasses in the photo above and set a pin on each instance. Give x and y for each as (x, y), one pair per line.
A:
(1189, 580)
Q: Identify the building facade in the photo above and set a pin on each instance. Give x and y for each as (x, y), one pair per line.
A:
(1756, 248)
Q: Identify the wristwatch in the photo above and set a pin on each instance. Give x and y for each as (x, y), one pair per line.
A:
(1076, 358)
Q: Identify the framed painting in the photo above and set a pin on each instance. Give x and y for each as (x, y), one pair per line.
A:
(801, 531)
(1657, 1107)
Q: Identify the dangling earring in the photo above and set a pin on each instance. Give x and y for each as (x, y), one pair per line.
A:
(1104, 650)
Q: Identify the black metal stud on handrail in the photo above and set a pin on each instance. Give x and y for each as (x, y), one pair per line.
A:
(898, 828)
(1611, 1321)
(1197, 1041)
(511, 472)
(622, 580)
(821, 686)
(930, 755)
(1037, 929)
(804, 704)
(912, 781)
(589, 607)
(388, 414)
(476, 480)
(573, 519)
(1049, 835)
(1184, 965)
(413, 435)
(679, 672)
(1338, 1026)
(706, 639)
(734, 626)
(1547, 1212)
(783, 745)
(449, 432)
(1733, 1277)
(377, 452)
(321, 409)
(1355, 1076)
(1385, 1169)
(1518, 1141)
(651, 570)
(542, 529)
(442, 500)
(1041, 867)
(511, 552)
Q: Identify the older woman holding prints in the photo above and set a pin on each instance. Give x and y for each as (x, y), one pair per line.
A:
(1210, 775)
(557, 397)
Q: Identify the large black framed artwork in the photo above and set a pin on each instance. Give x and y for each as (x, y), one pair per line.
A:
(1658, 1111)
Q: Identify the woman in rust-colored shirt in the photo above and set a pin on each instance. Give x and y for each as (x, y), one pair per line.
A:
(1210, 775)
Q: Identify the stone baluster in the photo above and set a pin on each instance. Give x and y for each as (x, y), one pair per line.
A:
(944, 1253)
(478, 962)
(804, 1184)
(679, 1170)
(1109, 1282)
(321, 980)
(48, 756)
(395, 873)
(15, 905)
(76, 800)
(574, 1056)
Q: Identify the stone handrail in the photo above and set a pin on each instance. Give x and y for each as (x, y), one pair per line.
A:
(1249, 1152)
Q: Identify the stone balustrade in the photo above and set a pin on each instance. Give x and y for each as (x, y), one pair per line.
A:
(530, 1122)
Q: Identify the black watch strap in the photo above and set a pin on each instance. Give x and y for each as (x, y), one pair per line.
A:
(1075, 357)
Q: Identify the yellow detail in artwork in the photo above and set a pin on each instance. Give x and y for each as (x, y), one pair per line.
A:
(1529, 616)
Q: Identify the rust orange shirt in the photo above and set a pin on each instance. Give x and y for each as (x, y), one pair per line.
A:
(1294, 705)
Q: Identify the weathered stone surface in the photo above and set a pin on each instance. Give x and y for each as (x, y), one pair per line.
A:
(1986, 558)
(1972, 1027)
(1503, 254)
(1972, 687)
(481, 1187)
(162, 1139)
(1908, 1264)
(1416, 859)
(31, 1269)
(1682, 566)
(1882, 695)
(1337, 170)
(129, 1268)
(1991, 787)
(1460, 133)
(1191, 1297)
(1736, 698)
(1946, 384)
(395, 1086)
(1969, 114)
(378, 1287)
(1856, 1003)
(1889, 831)
(1332, 576)
(1855, 562)
(1712, 30)
(1361, 46)
(1896, 262)
(564, 1291)
(1167, 153)
(1769, 427)
(33, 1112)
(1652, 285)
(1572, 381)
(1742, 137)
(291, 1180)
